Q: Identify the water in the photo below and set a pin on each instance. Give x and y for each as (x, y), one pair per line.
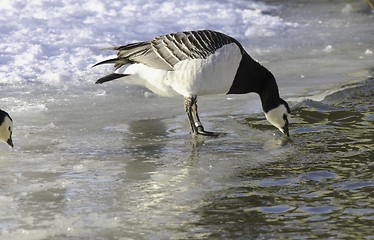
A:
(146, 178)
(117, 162)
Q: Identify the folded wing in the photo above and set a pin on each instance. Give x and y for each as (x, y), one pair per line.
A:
(165, 51)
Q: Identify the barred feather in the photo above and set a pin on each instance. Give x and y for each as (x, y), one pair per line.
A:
(165, 51)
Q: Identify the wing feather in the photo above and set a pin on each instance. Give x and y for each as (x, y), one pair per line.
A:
(165, 51)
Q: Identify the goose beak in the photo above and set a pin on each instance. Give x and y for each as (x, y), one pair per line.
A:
(285, 131)
(10, 142)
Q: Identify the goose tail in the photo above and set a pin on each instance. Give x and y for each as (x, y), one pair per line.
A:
(110, 77)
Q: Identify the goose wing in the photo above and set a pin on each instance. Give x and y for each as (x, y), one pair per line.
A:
(165, 51)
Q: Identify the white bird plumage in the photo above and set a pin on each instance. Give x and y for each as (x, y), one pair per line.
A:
(6, 128)
(198, 63)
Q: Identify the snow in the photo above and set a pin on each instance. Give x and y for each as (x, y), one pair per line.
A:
(57, 42)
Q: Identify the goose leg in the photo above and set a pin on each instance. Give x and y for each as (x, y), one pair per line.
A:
(188, 109)
(193, 117)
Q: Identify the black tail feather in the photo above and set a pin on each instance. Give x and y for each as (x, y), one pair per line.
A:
(110, 77)
(112, 60)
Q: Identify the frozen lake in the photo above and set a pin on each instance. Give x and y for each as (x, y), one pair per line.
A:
(117, 162)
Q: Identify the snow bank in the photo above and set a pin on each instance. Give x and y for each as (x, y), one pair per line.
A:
(56, 42)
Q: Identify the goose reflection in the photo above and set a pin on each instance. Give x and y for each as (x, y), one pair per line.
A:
(145, 142)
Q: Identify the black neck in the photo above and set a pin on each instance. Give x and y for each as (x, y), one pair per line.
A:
(253, 77)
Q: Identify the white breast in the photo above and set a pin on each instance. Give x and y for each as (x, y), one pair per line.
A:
(213, 75)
